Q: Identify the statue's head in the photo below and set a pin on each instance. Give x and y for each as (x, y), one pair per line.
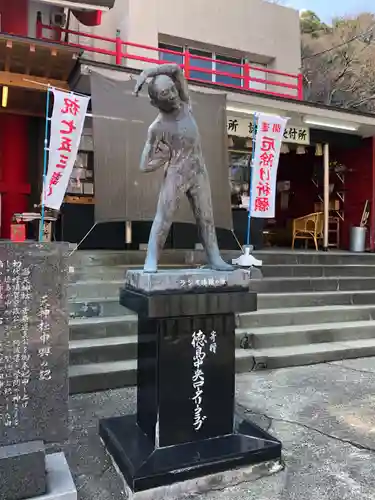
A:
(164, 94)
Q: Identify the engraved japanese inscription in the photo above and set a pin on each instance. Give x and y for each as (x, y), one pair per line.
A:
(33, 344)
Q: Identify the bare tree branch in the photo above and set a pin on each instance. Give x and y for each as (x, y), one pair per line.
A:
(339, 62)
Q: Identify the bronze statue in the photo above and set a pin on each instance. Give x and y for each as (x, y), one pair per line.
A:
(173, 142)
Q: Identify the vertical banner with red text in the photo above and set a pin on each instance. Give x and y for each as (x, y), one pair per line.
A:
(269, 136)
(68, 117)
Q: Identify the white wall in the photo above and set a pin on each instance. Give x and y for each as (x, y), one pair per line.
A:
(47, 11)
(265, 32)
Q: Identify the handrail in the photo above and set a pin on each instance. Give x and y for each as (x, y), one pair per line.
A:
(242, 80)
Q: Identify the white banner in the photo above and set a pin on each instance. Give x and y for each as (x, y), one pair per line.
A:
(243, 127)
(69, 112)
(269, 136)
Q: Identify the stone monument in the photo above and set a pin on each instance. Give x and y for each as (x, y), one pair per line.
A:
(34, 358)
(186, 425)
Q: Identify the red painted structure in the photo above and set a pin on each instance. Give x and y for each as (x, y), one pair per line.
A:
(122, 53)
(14, 137)
(14, 161)
(14, 17)
(359, 181)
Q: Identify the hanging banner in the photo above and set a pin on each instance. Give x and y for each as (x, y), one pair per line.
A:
(68, 117)
(243, 127)
(269, 136)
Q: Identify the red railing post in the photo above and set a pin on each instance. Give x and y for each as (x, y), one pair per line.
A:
(118, 48)
(246, 76)
(300, 87)
(187, 63)
(39, 26)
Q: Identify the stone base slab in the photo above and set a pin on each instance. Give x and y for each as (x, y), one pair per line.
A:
(212, 482)
(60, 485)
(187, 280)
(22, 470)
(145, 466)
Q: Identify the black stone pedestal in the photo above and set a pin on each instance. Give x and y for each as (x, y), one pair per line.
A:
(185, 424)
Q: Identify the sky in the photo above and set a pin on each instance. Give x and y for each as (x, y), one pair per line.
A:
(326, 9)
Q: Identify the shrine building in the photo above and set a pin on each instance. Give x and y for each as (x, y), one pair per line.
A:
(249, 51)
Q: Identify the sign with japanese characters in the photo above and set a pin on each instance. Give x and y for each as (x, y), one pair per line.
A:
(69, 111)
(199, 342)
(33, 343)
(244, 127)
(270, 131)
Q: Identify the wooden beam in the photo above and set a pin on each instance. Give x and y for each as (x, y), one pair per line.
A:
(50, 63)
(30, 82)
(30, 56)
(8, 48)
(68, 69)
(22, 112)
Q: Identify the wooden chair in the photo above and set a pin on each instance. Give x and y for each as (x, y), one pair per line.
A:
(309, 227)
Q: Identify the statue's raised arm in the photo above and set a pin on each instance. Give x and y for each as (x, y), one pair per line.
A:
(173, 71)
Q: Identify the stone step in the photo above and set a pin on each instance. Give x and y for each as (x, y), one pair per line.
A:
(102, 327)
(190, 257)
(312, 299)
(110, 273)
(96, 307)
(314, 258)
(281, 336)
(103, 350)
(294, 257)
(318, 270)
(98, 353)
(117, 374)
(110, 306)
(304, 316)
(117, 273)
(102, 376)
(307, 354)
(83, 258)
(294, 285)
(112, 349)
(126, 324)
(100, 288)
(94, 289)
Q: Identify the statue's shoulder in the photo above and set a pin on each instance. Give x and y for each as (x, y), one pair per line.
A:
(156, 125)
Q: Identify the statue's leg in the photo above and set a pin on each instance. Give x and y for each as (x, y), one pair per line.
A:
(199, 196)
(169, 198)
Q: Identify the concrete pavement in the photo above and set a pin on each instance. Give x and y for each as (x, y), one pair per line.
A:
(324, 415)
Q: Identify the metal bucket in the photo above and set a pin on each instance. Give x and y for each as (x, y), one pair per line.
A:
(357, 239)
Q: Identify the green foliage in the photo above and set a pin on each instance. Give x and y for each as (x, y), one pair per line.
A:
(311, 24)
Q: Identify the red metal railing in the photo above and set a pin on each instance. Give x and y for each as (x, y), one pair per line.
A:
(240, 76)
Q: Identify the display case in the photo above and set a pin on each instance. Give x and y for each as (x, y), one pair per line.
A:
(81, 187)
(239, 174)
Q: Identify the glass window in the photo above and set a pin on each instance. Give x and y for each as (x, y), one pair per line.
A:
(256, 73)
(223, 64)
(167, 56)
(239, 176)
(201, 63)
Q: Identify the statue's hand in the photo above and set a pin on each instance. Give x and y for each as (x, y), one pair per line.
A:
(140, 82)
(162, 149)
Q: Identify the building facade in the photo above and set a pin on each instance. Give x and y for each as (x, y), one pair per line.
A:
(27, 66)
(260, 33)
(248, 50)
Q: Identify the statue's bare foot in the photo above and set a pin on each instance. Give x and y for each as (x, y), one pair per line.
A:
(220, 265)
(150, 266)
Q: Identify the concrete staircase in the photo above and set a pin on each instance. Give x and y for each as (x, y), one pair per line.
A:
(312, 308)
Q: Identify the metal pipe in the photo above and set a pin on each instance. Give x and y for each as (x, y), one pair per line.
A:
(128, 232)
(326, 197)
